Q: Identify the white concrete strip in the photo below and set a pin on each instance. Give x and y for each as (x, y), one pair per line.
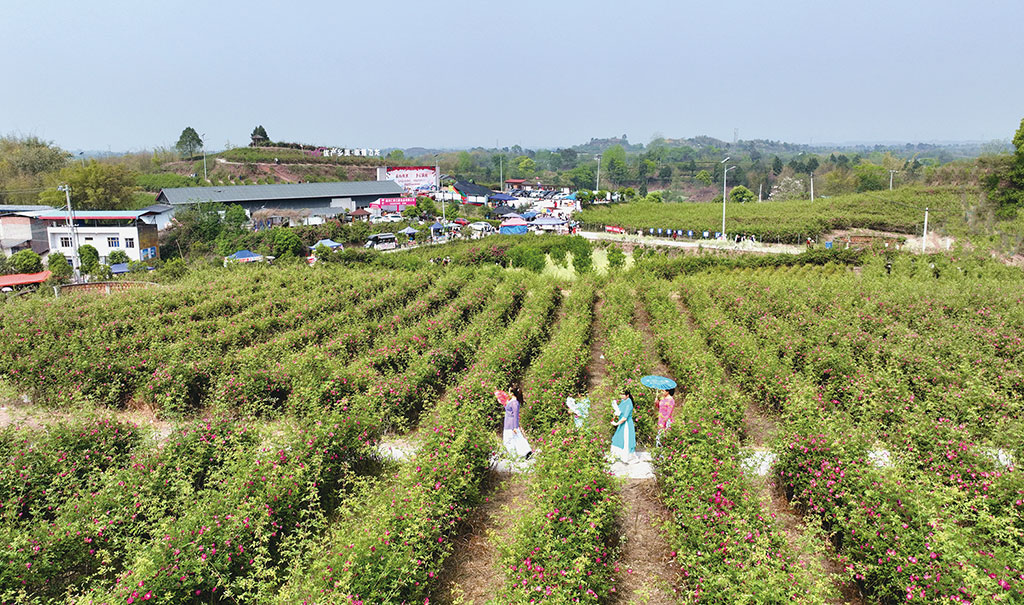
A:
(880, 458)
(758, 462)
(398, 449)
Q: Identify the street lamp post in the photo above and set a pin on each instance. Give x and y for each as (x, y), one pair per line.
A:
(891, 172)
(597, 181)
(812, 186)
(203, 139)
(725, 174)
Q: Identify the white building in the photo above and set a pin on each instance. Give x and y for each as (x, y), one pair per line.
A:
(105, 230)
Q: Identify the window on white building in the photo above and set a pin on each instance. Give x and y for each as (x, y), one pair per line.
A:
(129, 242)
(113, 242)
(65, 242)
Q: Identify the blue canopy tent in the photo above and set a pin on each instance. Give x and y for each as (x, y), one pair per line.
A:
(502, 197)
(118, 268)
(529, 215)
(326, 242)
(515, 226)
(243, 256)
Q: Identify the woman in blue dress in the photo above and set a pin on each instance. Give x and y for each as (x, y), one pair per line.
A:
(624, 439)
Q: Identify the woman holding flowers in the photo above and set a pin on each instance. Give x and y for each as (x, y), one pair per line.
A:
(624, 439)
(579, 408)
(512, 434)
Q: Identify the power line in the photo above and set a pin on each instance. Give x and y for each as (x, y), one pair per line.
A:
(10, 191)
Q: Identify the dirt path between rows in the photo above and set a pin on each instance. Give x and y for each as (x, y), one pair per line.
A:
(472, 574)
(597, 369)
(21, 412)
(647, 572)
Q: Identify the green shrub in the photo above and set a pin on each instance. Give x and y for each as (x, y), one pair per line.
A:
(616, 257)
(118, 256)
(58, 264)
(527, 257)
(25, 261)
(582, 255)
(89, 257)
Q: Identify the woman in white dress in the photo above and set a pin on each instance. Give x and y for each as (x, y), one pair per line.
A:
(512, 434)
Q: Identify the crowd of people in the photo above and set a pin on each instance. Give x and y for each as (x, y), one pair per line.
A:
(623, 445)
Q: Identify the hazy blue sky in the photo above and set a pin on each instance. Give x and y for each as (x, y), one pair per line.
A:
(446, 73)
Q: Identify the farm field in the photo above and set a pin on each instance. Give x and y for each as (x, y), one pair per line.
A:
(885, 405)
(792, 222)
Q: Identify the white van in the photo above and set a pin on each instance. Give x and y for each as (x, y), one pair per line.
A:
(381, 241)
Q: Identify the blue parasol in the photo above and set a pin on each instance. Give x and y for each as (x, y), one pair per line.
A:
(658, 382)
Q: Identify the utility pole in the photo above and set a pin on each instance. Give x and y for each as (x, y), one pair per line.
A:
(760, 186)
(891, 172)
(437, 171)
(203, 139)
(597, 182)
(812, 186)
(76, 262)
(924, 238)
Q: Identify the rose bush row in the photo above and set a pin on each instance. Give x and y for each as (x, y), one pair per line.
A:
(558, 371)
(727, 546)
(390, 548)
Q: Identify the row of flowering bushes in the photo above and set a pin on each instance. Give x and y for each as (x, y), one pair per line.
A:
(766, 378)
(940, 380)
(937, 522)
(390, 546)
(728, 548)
(903, 537)
(170, 347)
(558, 371)
(560, 550)
(625, 357)
(216, 511)
(128, 540)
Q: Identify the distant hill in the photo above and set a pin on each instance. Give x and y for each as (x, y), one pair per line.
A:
(599, 145)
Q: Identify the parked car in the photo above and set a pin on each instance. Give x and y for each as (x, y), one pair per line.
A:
(482, 227)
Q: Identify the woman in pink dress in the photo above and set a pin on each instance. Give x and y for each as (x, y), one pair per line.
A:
(666, 406)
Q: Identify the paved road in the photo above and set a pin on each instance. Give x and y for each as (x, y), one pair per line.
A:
(705, 243)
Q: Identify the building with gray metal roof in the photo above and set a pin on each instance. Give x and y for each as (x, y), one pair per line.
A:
(319, 198)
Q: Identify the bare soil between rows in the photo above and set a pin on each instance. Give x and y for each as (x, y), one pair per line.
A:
(472, 573)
